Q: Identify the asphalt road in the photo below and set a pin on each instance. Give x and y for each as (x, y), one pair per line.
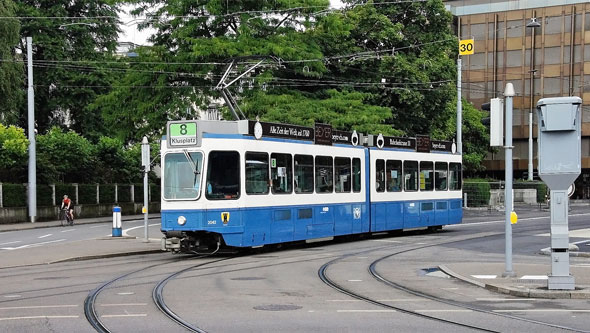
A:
(281, 290)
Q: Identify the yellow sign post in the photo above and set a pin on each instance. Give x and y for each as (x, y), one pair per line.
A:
(466, 47)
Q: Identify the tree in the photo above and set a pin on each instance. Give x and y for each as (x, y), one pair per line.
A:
(66, 53)
(11, 71)
(13, 154)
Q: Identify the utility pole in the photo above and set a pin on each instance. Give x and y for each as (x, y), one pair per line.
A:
(459, 108)
(509, 94)
(145, 157)
(32, 188)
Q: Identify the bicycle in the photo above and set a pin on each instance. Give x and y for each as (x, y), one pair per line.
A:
(66, 219)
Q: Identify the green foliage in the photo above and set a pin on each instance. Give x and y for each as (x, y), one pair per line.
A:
(45, 195)
(11, 71)
(64, 189)
(87, 193)
(124, 193)
(478, 192)
(64, 157)
(13, 154)
(107, 193)
(14, 195)
(73, 79)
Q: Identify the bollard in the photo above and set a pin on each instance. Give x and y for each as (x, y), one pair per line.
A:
(117, 232)
(464, 200)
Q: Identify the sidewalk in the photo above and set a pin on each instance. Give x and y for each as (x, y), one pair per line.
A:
(530, 280)
(90, 220)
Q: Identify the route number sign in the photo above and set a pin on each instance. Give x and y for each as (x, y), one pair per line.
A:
(182, 133)
(466, 47)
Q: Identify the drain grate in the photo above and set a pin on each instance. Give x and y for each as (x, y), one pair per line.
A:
(277, 307)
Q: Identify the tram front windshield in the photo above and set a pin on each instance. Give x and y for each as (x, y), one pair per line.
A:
(182, 175)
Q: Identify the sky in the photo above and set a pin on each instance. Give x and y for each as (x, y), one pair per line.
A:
(131, 34)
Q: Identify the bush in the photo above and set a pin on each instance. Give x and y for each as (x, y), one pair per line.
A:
(44, 195)
(107, 193)
(87, 193)
(155, 191)
(124, 193)
(61, 189)
(542, 191)
(478, 192)
(138, 193)
(14, 195)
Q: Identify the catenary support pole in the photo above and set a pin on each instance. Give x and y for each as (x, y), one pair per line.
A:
(32, 188)
(509, 94)
(459, 108)
(145, 152)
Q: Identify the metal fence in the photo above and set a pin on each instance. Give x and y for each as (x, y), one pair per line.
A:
(490, 194)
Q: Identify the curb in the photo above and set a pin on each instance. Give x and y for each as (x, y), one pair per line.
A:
(521, 292)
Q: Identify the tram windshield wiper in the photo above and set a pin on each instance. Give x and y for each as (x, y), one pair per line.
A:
(193, 165)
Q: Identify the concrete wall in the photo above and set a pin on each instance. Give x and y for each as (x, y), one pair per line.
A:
(528, 196)
(20, 214)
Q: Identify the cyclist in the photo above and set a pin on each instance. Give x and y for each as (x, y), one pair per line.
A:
(68, 205)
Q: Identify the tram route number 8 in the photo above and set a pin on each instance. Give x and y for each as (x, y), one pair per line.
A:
(466, 47)
(183, 130)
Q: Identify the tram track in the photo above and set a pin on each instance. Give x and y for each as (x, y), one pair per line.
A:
(322, 273)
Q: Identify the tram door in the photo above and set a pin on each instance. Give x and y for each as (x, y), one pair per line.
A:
(282, 228)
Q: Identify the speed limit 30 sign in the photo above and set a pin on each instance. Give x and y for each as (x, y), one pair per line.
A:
(466, 47)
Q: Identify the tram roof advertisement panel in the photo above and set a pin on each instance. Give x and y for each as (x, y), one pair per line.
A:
(182, 133)
(286, 131)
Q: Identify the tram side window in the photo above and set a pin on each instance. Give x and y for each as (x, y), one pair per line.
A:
(282, 173)
(342, 174)
(356, 171)
(324, 174)
(256, 173)
(440, 176)
(454, 176)
(303, 174)
(223, 175)
(394, 176)
(411, 176)
(380, 176)
(426, 176)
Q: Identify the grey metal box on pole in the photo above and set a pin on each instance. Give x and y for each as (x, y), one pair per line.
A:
(560, 157)
(496, 122)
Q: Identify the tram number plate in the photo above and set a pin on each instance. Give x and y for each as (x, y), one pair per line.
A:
(183, 134)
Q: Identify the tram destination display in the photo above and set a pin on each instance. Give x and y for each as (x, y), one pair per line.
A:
(182, 133)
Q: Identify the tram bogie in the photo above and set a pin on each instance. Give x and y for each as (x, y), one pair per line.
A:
(249, 184)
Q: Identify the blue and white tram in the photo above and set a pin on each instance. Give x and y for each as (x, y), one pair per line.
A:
(248, 184)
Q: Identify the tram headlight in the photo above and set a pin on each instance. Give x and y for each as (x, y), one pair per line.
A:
(181, 220)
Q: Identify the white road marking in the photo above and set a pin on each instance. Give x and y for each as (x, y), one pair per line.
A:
(32, 245)
(355, 280)
(38, 317)
(543, 310)
(126, 293)
(39, 307)
(8, 243)
(125, 231)
(68, 230)
(364, 311)
(441, 310)
(125, 315)
(362, 257)
(484, 276)
(125, 304)
(45, 236)
(534, 277)
(449, 288)
(99, 226)
(502, 221)
(12, 296)
(506, 299)
(581, 265)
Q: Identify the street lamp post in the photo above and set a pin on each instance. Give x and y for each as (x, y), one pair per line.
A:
(532, 24)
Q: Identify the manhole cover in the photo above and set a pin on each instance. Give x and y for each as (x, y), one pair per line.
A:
(277, 307)
(50, 278)
(248, 278)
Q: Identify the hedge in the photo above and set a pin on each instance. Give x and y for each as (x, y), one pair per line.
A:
(124, 193)
(107, 193)
(478, 192)
(155, 193)
(87, 193)
(45, 195)
(14, 195)
(61, 189)
(138, 193)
